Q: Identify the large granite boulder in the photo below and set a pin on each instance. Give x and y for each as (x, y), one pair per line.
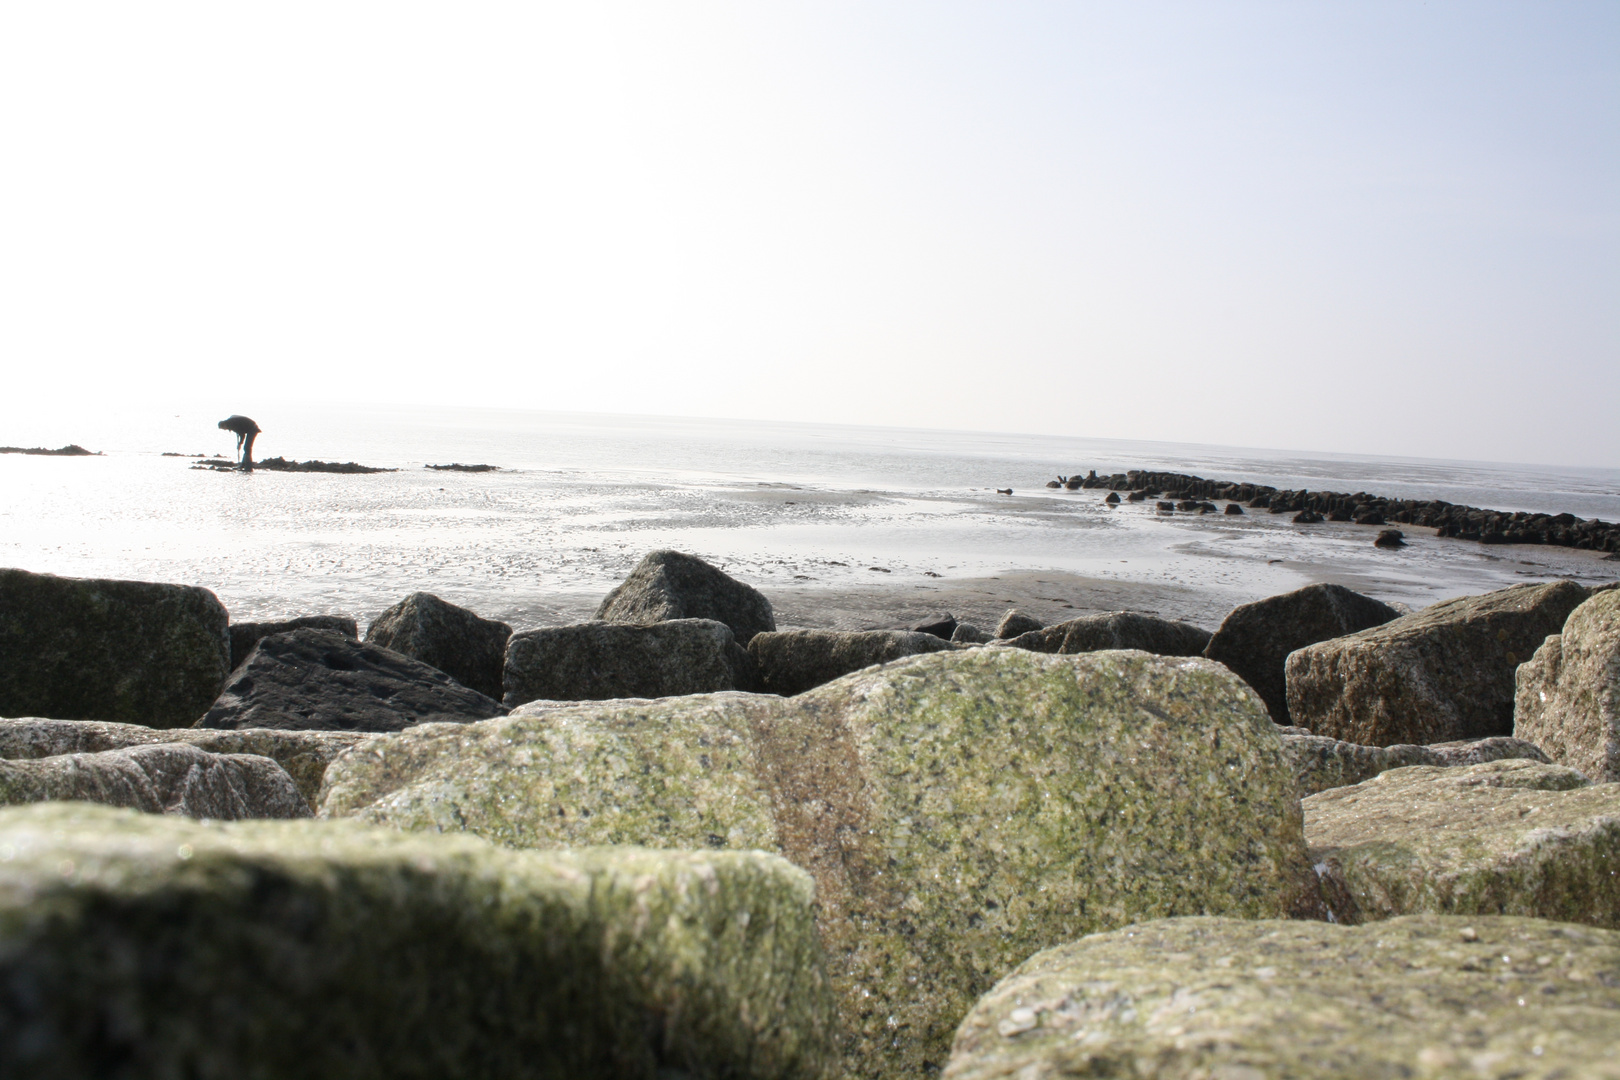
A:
(159, 778)
(303, 754)
(669, 585)
(793, 661)
(1115, 630)
(1510, 837)
(1321, 763)
(132, 652)
(1568, 696)
(597, 660)
(135, 945)
(1228, 999)
(246, 635)
(1441, 674)
(467, 648)
(1255, 639)
(959, 810)
(315, 680)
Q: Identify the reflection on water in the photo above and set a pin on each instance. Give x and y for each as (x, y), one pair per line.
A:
(581, 498)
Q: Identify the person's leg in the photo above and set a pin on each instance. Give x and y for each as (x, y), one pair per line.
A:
(247, 450)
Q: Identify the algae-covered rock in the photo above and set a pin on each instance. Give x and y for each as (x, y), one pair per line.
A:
(161, 778)
(1224, 999)
(303, 754)
(1321, 763)
(670, 585)
(315, 680)
(131, 652)
(1510, 837)
(959, 810)
(597, 660)
(136, 945)
(1255, 639)
(1568, 698)
(1116, 630)
(793, 661)
(246, 635)
(1441, 674)
(470, 649)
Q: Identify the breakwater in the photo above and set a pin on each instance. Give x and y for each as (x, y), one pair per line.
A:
(1449, 519)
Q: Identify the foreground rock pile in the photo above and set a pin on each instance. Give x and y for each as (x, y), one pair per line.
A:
(1327, 839)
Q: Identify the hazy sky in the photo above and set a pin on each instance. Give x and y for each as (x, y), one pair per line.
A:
(1363, 227)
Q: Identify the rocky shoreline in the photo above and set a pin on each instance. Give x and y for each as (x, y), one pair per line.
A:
(676, 839)
(1447, 519)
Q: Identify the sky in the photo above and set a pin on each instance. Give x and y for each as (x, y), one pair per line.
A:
(1379, 228)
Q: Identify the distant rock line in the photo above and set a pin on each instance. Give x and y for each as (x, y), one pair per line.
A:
(70, 450)
(1449, 519)
(456, 466)
(278, 464)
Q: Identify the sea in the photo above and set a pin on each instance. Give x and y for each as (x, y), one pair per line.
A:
(578, 499)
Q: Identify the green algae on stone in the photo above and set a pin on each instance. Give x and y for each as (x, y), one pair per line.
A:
(958, 810)
(1568, 696)
(1488, 998)
(1511, 837)
(1321, 763)
(147, 946)
(304, 754)
(159, 778)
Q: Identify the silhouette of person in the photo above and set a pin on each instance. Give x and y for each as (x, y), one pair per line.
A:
(246, 431)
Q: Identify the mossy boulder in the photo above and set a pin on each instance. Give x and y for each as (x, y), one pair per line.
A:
(132, 652)
(959, 810)
(1255, 639)
(1321, 763)
(1115, 630)
(136, 945)
(463, 645)
(303, 754)
(1568, 693)
(1441, 674)
(160, 778)
(596, 661)
(668, 585)
(1510, 837)
(1225, 999)
(793, 661)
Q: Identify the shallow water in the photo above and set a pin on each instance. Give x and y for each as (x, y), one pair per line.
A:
(581, 498)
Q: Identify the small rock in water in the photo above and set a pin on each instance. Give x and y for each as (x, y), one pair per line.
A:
(1234, 508)
(1112, 499)
(1307, 517)
(1390, 538)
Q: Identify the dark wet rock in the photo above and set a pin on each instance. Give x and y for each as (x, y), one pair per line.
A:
(1165, 507)
(1441, 674)
(144, 946)
(70, 450)
(1307, 517)
(456, 466)
(597, 660)
(469, 649)
(1112, 499)
(1073, 483)
(958, 810)
(1230, 999)
(1390, 538)
(158, 778)
(1234, 509)
(246, 635)
(1507, 837)
(668, 585)
(1136, 496)
(1255, 639)
(1568, 692)
(793, 661)
(131, 652)
(1321, 763)
(279, 464)
(303, 754)
(1116, 630)
(1015, 622)
(968, 634)
(315, 680)
(942, 627)
(1053, 484)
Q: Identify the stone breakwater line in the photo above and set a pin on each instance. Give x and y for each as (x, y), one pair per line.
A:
(1450, 519)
